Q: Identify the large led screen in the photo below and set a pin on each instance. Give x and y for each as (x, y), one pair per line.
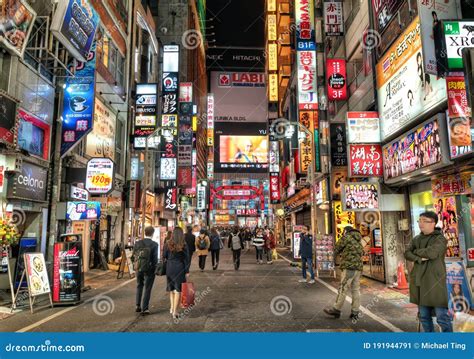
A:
(241, 148)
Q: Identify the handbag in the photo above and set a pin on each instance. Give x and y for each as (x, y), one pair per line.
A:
(161, 268)
(187, 294)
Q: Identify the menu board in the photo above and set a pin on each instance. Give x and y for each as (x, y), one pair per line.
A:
(36, 274)
(67, 271)
(27, 245)
(325, 252)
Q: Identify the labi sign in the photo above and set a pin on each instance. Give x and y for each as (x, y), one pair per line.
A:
(30, 183)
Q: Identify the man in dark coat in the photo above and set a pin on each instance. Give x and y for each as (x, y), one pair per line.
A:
(190, 239)
(428, 277)
(145, 257)
(306, 253)
(351, 251)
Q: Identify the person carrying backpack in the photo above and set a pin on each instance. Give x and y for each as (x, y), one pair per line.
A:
(145, 259)
(236, 243)
(215, 248)
(202, 248)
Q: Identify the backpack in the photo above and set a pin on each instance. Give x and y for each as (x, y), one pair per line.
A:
(235, 242)
(202, 244)
(143, 256)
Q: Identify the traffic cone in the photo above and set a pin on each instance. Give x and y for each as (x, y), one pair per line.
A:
(401, 279)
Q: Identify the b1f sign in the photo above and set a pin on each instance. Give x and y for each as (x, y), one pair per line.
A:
(336, 79)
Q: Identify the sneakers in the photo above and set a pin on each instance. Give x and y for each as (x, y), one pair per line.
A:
(354, 316)
(270, 262)
(146, 312)
(333, 312)
(138, 309)
(312, 281)
(302, 280)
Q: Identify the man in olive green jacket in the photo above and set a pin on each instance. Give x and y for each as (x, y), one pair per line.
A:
(351, 250)
(428, 278)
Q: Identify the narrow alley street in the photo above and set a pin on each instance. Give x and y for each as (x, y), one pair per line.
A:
(257, 298)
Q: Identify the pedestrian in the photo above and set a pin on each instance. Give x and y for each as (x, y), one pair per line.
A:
(247, 238)
(270, 245)
(145, 259)
(259, 242)
(236, 243)
(351, 250)
(177, 259)
(215, 248)
(428, 277)
(306, 254)
(202, 248)
(190, 239)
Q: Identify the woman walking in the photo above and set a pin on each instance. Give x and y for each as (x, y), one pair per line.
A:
(215, 248)
(177, 268)
(202, 248)
(270, 245)
(259, 242)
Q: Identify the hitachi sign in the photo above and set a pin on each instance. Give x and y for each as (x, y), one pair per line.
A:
(30, 182)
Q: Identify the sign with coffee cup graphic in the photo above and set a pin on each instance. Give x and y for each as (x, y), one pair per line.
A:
(30, 183)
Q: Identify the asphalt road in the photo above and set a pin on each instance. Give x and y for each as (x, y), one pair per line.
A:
(257, 298)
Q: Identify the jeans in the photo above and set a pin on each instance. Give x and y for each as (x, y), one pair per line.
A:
(308, 260)
(442, 317)
(259, 251)
(215, 257)
(247, 245)
(350, 278)
(236, 258)
(202, 262)
(269, 254)
(144, 280)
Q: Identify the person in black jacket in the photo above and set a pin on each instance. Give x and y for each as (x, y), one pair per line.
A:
(306, 253)
(236, 243)
(215, 248)
(145, 257)
(190, 239)
(176, 255)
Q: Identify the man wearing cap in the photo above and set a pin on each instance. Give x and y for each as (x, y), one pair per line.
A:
(351, 250)
(428, 278)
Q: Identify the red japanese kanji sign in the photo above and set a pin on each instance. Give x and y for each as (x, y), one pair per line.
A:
(365, 160)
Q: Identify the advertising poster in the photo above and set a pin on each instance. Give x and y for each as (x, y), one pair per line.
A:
(78, 103)
(307, 119)
(430, 13)
(100, 175)
(241, 96)
(417, 149)
(27, 245)
(452, 185)
(459, 117)
(304, 18)
(145, 114)
(405, 91)
(336, 79)
(365, 160)
(243, 149)
(186, 92)
(363, 127)
(337, 178)
(451, 38)
(74, 24)
(360, 196)
(77, 211)
(17, 19)
(448, 222)
(170, 82)
(342, 219)
(307, 76)
(101, 140)
(459, 293)
(324, 249)
(37, 274)
(67, 272)
(33, 135)
(7, 118)
(338, 144)
(333, 18)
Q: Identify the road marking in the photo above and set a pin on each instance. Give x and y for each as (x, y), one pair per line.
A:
(367, 312)
(64, 311)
